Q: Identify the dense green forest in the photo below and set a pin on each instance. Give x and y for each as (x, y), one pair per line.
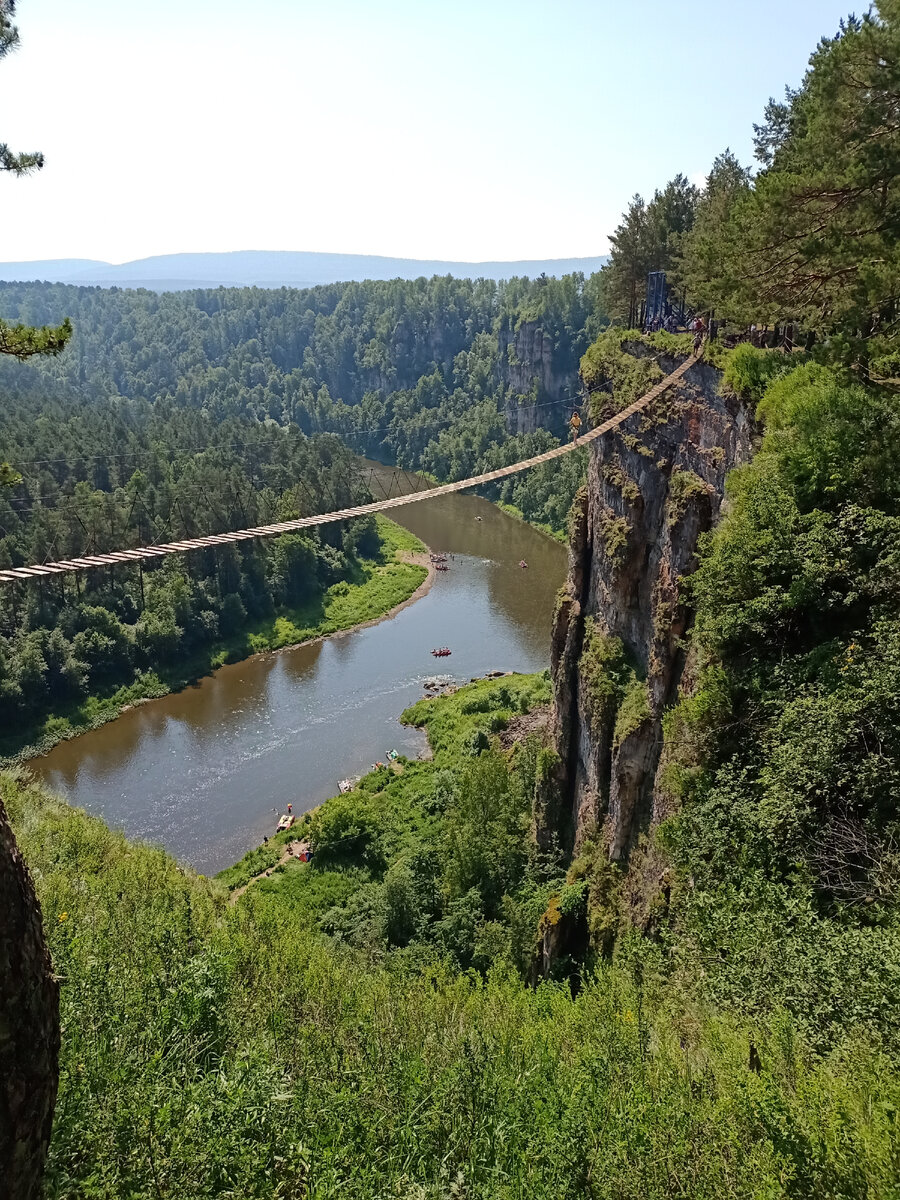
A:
(78, 638)
(178, 415)
(411, 373)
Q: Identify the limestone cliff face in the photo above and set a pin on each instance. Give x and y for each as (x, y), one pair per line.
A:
(653, 488)
(534, 375)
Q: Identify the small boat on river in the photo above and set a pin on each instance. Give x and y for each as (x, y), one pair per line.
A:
(442, 652)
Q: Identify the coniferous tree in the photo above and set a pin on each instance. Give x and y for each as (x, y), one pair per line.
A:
(816, 240)
(700, 268)
(647, 239)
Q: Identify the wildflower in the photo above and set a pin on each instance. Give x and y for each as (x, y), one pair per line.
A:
(628, 1016)
(63, 916)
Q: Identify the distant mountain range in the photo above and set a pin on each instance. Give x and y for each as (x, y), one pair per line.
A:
(273, 268)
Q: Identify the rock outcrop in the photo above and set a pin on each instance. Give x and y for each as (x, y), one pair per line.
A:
(534, 375)
(654, 486)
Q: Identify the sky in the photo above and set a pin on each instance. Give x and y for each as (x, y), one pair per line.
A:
(496, 129)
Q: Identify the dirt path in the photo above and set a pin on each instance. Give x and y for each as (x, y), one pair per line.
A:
(292, 850)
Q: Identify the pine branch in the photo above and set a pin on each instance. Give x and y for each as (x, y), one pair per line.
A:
(23, 342)
(9, 34)
(19, 164)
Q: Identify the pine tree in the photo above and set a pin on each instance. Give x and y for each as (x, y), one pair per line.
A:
(817, 238)
(701, 268)
(646, 240)
(21, 341)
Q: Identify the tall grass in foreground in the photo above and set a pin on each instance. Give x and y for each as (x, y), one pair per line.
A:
(229, 1052)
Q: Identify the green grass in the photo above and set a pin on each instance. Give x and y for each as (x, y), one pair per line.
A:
(261, 859)
(451, 720)
(380, 585)
(217, 1051)
(399, 802)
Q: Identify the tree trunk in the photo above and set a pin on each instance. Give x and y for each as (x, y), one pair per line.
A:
(29, 1028)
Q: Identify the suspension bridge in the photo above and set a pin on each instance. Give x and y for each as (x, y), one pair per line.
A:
(147, 553)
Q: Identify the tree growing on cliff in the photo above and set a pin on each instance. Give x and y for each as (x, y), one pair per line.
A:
(699, 266)
(646, 239)
(29, 997)
(817, 239)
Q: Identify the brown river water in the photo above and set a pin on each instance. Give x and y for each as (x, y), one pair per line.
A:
(202, 772)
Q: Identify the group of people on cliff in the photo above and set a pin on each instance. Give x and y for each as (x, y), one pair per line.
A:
(667, 323)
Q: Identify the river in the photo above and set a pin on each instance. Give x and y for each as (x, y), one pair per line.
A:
(202, 772)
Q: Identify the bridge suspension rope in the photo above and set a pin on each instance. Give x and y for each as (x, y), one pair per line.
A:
(146, 553)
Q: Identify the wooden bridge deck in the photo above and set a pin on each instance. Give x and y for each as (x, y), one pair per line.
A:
(38, 570)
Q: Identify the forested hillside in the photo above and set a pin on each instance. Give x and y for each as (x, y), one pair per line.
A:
(175, 416)
(78, 648)
(424, 374)
(359, 1025)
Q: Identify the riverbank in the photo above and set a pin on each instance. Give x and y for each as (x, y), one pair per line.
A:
(381, 588)
(453, 722)
(558, 535)
(413, 558)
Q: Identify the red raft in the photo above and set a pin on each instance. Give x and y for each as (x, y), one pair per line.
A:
(443, 652)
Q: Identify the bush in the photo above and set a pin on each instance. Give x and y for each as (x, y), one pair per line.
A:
(748, 370)
(348, 829)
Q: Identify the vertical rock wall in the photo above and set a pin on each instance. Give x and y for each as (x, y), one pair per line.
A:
(653, 488)
(529, 368)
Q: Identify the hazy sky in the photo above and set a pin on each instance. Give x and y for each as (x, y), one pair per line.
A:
(497, 129)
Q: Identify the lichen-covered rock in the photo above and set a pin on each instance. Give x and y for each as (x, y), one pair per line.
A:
(654, 487)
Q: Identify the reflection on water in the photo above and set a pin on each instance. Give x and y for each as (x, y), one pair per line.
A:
(203, 772)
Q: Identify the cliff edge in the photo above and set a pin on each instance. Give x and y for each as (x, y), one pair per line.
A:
(618, 657)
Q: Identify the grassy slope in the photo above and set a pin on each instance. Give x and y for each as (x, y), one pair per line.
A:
(212, 1050)
(402, 794)
(380, 585)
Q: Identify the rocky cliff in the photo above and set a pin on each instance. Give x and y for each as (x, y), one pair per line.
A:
(535, 376)
(653, 487)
